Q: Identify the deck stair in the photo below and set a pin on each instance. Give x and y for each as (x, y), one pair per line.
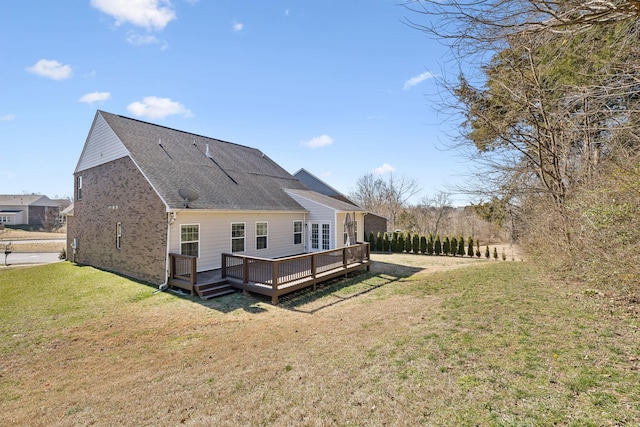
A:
(214, 289)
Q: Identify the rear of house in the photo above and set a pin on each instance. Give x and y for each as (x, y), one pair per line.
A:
(144, 191)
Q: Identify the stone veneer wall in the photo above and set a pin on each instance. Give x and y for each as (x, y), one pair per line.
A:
(117, 192)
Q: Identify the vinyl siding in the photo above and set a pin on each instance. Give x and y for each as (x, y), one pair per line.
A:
(101, 147)
(215, 234)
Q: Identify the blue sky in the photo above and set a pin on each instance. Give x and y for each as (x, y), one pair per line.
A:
(339, 88)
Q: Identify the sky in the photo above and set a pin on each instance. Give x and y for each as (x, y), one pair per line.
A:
(340, 88)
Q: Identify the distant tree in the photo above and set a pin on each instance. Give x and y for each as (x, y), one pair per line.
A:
(372, 241)
(385, 242)
(470, 247)
(423, 245)
(437, 246)
(454, 246)
(495, 252)
(394, 242)
(478, 248)
(379, 243)
(400, 243)
(487, 254)
(415, 247)
(430, 244)
(504, 255)
(446, 246)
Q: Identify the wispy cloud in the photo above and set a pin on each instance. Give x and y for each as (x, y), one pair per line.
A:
(237, 26)
(149, 14)
(318, 141)
(8, 118)
(90, 98)
(286, 12)
(51, 69)
(157, 108)
(141, 39)
(416, 80)
(386, 167)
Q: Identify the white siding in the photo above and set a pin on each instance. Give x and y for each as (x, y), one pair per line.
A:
(320, 214)
(102, 146)
(215, 234)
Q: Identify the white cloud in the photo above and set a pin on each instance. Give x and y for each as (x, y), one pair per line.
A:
(386, 167)
(318, 141)
(286, 12)
(149, 14)
(51, 68)
(413, 81)
(7, 118)
(237, 26)
(140, 40)
(90, 98)
(157, 108)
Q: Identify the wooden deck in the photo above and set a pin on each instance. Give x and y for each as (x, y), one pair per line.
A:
(271, 277)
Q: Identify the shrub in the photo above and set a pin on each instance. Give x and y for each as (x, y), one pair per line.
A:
(495, 252)
(423, 245)
(461, 246)
(430, 243)
(63, 254)
(394, 242)
(454, 246)
(386, 244)
(400, 243)
(408, 242)
(504, 255)
(446, 246)
(372, 241)
(487, 254)
(437, 246)
(379, 243)
(416, 243)
(470, 247)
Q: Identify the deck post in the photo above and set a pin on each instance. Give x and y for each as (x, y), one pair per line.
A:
(194, 271)
(245, 270)
(345, 260)
(224, 265)
(172, 266)
(313, 270)
(274, 275)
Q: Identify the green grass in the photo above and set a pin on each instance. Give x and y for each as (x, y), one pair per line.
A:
(497, 344)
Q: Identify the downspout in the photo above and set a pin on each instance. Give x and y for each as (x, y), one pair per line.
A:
(171, 217)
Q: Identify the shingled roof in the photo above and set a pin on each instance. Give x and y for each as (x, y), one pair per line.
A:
(233, 177)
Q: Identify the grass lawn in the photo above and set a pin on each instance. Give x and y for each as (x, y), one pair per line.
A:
(492, 344)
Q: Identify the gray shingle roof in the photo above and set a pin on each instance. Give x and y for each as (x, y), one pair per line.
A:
(331, 202)
(236, 177)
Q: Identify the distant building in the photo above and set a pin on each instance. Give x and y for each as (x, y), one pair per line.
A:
(27, 209)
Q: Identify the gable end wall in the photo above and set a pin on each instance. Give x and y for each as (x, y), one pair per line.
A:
(117, 192)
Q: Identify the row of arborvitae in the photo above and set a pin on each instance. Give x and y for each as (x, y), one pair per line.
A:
(427, 245)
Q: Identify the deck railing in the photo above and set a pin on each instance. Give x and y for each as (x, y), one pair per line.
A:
(183, 267)
(282, 271)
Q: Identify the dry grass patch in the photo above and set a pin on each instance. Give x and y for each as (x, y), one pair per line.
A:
(491, 345)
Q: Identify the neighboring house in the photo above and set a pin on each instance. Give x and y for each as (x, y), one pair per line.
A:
(27, 210)
(372, 223)
(143, 191)
(66, 212)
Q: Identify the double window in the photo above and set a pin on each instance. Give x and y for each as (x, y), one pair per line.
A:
(190, 239)
(261, 235)
(237, 237)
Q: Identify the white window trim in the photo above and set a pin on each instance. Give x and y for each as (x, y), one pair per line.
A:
(262, 235)
(298, 232)
(190, 241)
(79, 189)
(118, 235)
(244, 237)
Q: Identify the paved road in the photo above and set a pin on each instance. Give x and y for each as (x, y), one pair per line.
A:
(16, 258)
(17, 242)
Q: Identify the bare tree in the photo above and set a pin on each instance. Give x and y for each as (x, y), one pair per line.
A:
(384, 197)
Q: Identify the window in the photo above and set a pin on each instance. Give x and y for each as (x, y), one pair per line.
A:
(190, 239)
(118, 235)
(297, 232)
(314, 236)
(237, 237)
(79, 188)
(325, 237)
(261, 235)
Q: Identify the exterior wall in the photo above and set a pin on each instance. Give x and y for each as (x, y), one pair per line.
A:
(112, 193)
(102, 146)
(340, 227)
(39, 214)
(215, 234)
(373, 224)
(12, 218)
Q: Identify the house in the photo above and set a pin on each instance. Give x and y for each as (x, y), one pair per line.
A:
(372, 223)
(146, 194)
(31, 209)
